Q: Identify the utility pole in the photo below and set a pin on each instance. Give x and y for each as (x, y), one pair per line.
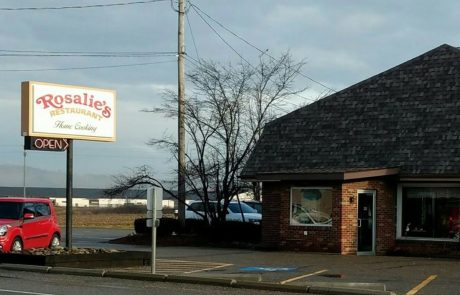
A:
(181, 112)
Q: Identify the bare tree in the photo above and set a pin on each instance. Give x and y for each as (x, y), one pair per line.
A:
(225, 115)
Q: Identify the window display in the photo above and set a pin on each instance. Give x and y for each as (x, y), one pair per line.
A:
(311, 206)
(431, 212)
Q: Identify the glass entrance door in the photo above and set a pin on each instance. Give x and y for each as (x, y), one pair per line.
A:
(366, 222)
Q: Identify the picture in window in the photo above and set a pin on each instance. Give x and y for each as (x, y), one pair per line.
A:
(311, 206)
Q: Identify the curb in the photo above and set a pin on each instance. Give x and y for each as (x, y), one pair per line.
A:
(24, 267)
(222, 282)
(77, 271)
(365, 286)
(135, 276)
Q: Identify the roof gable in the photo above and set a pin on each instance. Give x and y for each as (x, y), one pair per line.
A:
(407, 117)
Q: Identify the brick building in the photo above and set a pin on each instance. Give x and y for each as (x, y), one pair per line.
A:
(372, 169)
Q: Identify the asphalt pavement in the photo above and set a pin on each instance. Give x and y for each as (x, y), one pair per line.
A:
(372, 274)
(13, 282)
(401, 275)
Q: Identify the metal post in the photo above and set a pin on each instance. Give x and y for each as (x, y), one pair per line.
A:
(154, 233)
(68, 192)
(26, 143)
(181, 113)
(24, 174)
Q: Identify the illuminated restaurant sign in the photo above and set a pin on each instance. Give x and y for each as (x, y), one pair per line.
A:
(45, 144)
(65, 111)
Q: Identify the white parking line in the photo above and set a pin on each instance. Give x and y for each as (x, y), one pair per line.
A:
(301, 277)
(24, 292)
(211, 268)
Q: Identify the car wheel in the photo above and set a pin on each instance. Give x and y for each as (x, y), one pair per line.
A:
(17, 245)
(55, 241)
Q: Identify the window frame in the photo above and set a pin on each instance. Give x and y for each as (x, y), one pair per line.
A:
(290, 206)
(399, 201)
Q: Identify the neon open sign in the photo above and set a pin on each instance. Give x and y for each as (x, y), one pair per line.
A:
(45, 144)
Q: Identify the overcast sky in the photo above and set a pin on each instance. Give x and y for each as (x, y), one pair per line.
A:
(343, 42)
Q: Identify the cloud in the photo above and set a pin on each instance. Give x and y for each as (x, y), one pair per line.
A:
(359, 23)
(343, 44)
(13, 175)
(284, 15)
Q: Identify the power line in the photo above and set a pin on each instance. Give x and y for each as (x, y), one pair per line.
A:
(85, 52)
(255, 47)
(197, 63)
(12, 52)
(193, 61)
(228, 30)
(193, 36)
(221, 38)
(82, 55)
(80, 6)
(87, 68)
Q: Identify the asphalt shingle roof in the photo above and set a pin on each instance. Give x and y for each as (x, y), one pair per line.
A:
(407, 117)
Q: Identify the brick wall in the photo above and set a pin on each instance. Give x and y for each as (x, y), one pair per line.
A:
(341, 237)
(277, 231)
(271, 215)
(426, 248)
(385, 215)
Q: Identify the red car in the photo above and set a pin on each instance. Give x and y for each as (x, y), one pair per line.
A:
(28, 223)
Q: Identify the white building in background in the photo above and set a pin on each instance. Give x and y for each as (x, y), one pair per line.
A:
(90, 197)
(86, 197)
(106, 202)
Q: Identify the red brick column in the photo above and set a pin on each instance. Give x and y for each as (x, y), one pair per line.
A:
(271, 215)
(385, 215)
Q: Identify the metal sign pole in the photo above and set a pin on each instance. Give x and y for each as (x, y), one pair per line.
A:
(69, 184)
(154, 233)
(24, 174)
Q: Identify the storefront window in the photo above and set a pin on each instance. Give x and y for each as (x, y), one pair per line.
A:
(311, 206)
(431, 212)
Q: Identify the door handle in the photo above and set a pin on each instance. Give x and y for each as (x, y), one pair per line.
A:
(359, 222)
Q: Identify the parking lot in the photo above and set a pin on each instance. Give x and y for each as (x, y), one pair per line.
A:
(402, 275)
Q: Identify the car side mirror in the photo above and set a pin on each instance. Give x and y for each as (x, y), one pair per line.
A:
(29, 216)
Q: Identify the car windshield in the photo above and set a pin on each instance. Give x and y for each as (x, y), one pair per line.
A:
(235, 208)
(10, 210)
